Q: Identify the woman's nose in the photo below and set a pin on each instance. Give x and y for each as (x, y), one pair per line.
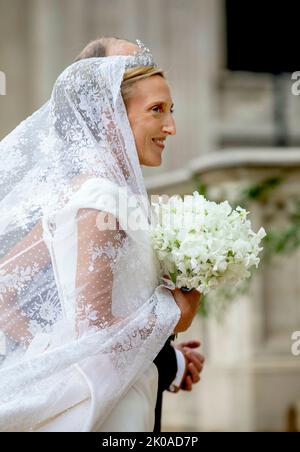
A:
(170, 126)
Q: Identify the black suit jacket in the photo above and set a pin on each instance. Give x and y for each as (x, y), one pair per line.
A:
(166, 364)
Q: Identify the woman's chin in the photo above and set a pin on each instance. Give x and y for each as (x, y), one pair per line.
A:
(153, 162)
(156, 163)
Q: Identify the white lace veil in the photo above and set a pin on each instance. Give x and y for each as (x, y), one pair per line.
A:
(76, 298)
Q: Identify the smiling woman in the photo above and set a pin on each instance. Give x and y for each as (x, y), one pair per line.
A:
(81, 329)
(149, 108)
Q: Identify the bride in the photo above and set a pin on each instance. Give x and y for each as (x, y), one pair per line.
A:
(82, 314)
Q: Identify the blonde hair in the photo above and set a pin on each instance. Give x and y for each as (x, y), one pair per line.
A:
(132, 75)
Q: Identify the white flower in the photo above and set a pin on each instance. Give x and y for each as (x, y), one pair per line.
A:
(202, 244)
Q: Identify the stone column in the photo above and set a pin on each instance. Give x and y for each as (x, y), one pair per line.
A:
(186, 39)
(47, 51)
(14, 52)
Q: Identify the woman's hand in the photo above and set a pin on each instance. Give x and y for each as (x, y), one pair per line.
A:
(188, 303)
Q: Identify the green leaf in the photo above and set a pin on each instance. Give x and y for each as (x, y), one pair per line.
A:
(173, 277)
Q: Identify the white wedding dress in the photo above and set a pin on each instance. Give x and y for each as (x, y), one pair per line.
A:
(135, 410)
(82, 309)
(133, 413)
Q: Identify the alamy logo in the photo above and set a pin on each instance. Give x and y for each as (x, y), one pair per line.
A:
(2, 84)
(2, 344)
(296, 343)
(296, 85)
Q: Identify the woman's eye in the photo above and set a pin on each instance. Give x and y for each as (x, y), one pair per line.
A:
(157, 109)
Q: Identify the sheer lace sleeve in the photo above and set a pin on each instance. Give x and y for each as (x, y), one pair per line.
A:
(97, 255)
(18, 268)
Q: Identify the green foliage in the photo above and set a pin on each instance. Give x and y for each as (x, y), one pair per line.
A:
(216, 303)
(202, 190)
(262, 191)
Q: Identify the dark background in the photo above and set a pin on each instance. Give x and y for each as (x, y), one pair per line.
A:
(263, 36)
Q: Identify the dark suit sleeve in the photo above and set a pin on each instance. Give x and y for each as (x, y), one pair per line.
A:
(166, 363)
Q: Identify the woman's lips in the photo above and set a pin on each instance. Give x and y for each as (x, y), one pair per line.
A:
(159, 143)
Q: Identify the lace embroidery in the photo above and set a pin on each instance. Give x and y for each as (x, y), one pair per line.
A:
(87, 306)
(17, 278)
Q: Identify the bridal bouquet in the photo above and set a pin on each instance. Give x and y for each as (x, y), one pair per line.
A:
(201, 244)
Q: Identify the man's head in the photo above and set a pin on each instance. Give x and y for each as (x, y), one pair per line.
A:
(147, 98)
(107, 46)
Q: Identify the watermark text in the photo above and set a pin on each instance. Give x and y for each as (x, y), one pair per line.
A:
(2, 84)
(296, 343)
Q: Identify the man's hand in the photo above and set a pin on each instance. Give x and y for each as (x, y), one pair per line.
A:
(194, 364)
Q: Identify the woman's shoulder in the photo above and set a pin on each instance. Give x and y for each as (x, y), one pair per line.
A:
(94, 193)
